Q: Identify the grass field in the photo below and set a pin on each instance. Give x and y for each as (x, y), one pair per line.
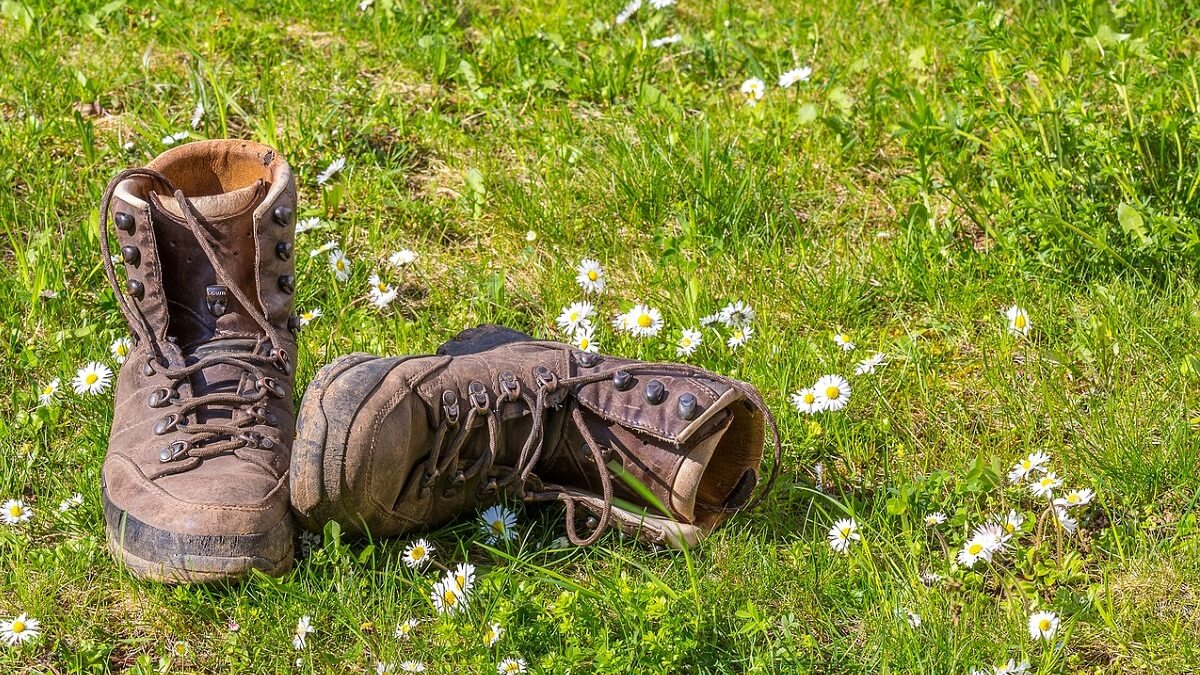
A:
(942, 162)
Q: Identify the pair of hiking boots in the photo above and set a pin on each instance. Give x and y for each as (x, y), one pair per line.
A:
(209, 466)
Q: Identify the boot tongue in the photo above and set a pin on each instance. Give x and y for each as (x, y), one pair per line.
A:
(686, 485)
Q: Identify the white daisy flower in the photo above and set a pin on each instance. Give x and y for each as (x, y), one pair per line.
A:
(412, 667)
(405, 628)
(666, 40)
(585, 340)
(1011, 668)
(912, 618)
(590, 276)
(739, 336)
(867, 366)
(993, 536)
(843, 533)
(198, 114)
(418, 554)
(807, 401)
(576, 316)
(753, 90)
(20, 629)
(382, 293)
(623, 322)
(49, 391)
(977, 548)
(531, 236)
(310, 316)
(736, 314)
(1018, 321)
(92, 379)
(15, 511)
(1064, 519)
(303, 629)
(308, 225)
(382, 668)
(172, 139)
(120, 349)
(1043, 625)
(498, 524)
(447, 599)
(644, 321)
(71, 502)
(340, 264)
(790, 77)
(1011, 522)
(1034, 462)
(402, 258)
(844, 341)
(934, 519)
(364, 5)
(1045, 486)
(833, 391)
(688, 341)
(710, 320)
(1075, 498)
(491, 634)
(334, 167)
(630, 9)
(463, 577)
(331, 245)
(661, 4)
(930, 578)
(512, 666)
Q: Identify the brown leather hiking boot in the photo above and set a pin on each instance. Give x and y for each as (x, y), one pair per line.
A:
(195, 479)
(389, 445)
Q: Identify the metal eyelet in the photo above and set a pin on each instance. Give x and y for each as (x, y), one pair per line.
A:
(159, 398)
(260, 414)
(479, 396)
(270, 385)
(450, 406)
(173, 451)
(454, 486)
(546, 378)
(283, 360)
(148, 367)
(510, 385)
(166, 424)
(491, 487)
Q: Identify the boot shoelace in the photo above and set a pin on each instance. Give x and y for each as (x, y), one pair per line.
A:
(208, 439)
(550, 393)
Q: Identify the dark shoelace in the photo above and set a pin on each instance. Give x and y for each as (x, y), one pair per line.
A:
(550, 393)
(208, 439)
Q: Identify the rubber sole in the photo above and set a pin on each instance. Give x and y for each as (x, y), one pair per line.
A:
(173, 558)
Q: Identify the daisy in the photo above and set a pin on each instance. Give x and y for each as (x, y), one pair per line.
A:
(623, 322)
(1042, 625)
(688, 341)
(382, 294)
(644, 321)
(1011, 668)
(736, 314)
(334, 167)
(843, 533)
(120, 349)
(753, 89)
(172, 139)
(365, 5)
(1045, 486)
(710, 320)
(590, 276)
(463, 577)
(1011, 522)
(1022, 469)
(382, 668)
(491, 634)
(307, 225)
(844, 341)
(934, 519)
(418, 554)
(310, 316)
(867, 366)
(1018, 321)
(498, 524)
(1064, 519)
(833, 391)
(402, 258)
(198, 114)
(328, 246)
(49, 391)
(977, 548)
(340, 264)
(629, 10)
(807, 401)
(511, 666)
(92, 378)
(531, 236)
(15, 511)
(585, 340)
(912, 618)
(993, 536)
(930, 578)
(739, 337)
(405, 628)
(20, 629)
(576, 316)
(1075, 498)
(303, 628)
(446, 598)
(666, 40)
(70, 502)
(794, 75)
(661, 4)
(412, 667)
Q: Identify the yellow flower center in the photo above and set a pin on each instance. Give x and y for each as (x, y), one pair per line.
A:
(498, 526)
(644, 320)
(844, 337)
(47, 390)
(341, 265)
(122, 349)
(382, 288)
(1073, 498)
(845, 532)
(685, 342)
(832, 393)
(461, 580)
(573, 316)
(1020, 321)
(418, 552)
(1046, 482)
(1009, 527)
(18, 627)
(810, 398)
(1026, 464)
(975, 548)
(307, 316)
(1044, 625)
(91, 378)
(488, 635)
(449, 597)
(592, 276)
(14, 511)
(584, 343)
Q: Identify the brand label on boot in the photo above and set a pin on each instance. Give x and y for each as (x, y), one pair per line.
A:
(218, 299)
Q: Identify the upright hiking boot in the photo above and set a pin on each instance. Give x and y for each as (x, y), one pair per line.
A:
(195, 479)
(389, 445)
